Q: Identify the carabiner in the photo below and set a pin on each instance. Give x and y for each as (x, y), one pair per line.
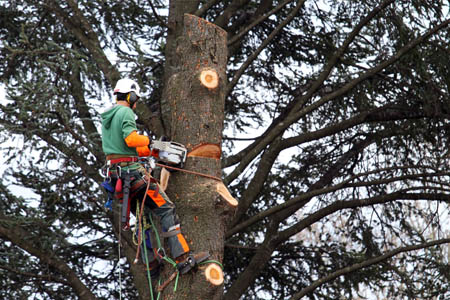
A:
(106, 174)
(160, 251)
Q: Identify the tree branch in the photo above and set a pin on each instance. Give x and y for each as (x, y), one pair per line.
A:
(83, 31)
(302, 199)
(161, 21)
(15, 235)
(380, 114)
(276, 128)
(261, 47)
(76, 90)
(365, 264)
(274, 238)
(257, 263)
(340, 205)
(229, 11)
(259, 20)
(202, 10)
(248, 154)
(258, 180)
(48, 277)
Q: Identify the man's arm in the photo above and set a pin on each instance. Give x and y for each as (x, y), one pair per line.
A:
(138, 141)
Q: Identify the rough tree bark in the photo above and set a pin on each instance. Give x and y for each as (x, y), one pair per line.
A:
(195, 117)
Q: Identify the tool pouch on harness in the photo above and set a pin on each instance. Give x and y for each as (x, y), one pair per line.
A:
(109, 188)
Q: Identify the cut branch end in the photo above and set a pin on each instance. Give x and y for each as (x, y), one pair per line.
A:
(214, 274)
(223, 191)
(209, 78)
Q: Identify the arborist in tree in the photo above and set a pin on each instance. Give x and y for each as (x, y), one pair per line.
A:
(128, 179)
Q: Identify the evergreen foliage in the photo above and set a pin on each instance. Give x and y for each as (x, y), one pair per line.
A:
(335, 144)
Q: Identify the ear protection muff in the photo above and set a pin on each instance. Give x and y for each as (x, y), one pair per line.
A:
(132, 97)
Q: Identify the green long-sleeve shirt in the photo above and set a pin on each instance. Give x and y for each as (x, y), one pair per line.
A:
(117, 123)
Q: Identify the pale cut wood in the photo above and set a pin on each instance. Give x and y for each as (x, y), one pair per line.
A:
(214, 274)
(209, 78)
(164, 179)
(206, 150)
(223, 191)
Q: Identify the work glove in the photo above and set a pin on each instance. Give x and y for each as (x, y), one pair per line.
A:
(135, 140)
(143, 151)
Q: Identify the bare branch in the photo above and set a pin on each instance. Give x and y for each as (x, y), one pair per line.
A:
(15, 234)
(340, 205)
(261, 47)
(365, 264)
(202, 10)
(257, 21)
(161, 21)
(304, 198)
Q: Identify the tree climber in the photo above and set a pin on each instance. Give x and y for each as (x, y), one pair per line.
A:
(123, 146)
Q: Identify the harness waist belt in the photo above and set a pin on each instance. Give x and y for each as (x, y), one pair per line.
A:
(123, 159)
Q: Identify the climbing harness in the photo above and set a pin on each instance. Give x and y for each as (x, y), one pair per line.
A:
(193, 261)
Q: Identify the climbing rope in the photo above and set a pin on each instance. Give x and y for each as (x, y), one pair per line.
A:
(147, 266)
(141, 236)
(120, 268)
(160, 252)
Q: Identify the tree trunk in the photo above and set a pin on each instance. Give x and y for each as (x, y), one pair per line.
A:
(196, 118)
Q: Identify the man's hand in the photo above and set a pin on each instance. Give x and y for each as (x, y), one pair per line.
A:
(143, 151)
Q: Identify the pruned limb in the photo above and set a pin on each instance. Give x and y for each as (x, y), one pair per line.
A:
(214, 274)
(209, 78)
(223, 191)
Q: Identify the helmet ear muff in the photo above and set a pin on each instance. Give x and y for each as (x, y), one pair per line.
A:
(132, 97)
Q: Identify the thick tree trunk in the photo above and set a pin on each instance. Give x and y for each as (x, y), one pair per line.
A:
(196, 118)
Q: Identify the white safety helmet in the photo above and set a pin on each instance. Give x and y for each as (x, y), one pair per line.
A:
(126, 86)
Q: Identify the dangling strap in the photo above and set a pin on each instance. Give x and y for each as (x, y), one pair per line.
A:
(126, 202)
(139, 217)
(174, 230)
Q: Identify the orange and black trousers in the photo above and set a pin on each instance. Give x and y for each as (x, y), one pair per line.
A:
(157, 202)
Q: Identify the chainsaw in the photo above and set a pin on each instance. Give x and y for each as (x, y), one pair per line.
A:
(170, 153)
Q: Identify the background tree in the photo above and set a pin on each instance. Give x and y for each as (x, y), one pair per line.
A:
(335, 143)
